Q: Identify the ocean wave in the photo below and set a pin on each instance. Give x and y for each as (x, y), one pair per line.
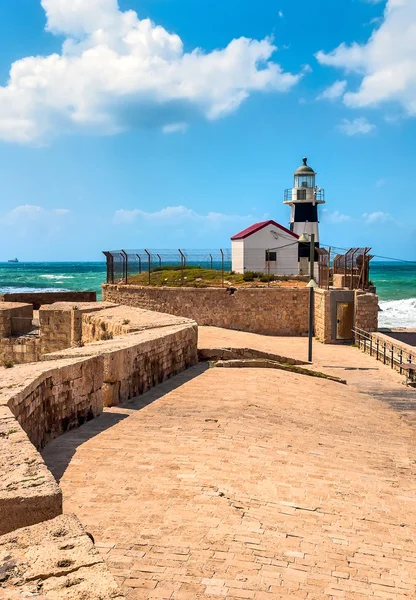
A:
(25, 290)
(398, 313)
(56, 277)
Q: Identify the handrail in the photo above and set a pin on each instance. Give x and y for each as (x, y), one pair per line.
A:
(387, 352)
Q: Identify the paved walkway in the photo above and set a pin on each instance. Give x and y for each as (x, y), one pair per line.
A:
(247, 483)
(362, 372)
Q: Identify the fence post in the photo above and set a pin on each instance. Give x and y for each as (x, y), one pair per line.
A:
(140, 263)
(378, 345)
(371, 346)
(222, 267)
(385, 352)
(392, 357)
(365, 345)
(182, 265)
(211, 260)
(148, 265)
(125, 265)
(160, 260)
(401, 360)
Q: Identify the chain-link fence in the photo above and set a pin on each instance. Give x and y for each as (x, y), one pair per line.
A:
(200, 268)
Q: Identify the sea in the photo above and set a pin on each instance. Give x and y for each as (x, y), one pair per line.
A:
(395, 282)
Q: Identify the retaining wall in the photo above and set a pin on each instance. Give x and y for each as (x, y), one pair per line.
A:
(47, 398)
(37, 299)
(270, 311)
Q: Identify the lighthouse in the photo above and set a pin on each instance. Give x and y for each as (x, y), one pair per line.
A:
(304, 199)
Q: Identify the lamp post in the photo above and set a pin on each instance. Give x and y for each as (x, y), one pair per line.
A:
(311, 285)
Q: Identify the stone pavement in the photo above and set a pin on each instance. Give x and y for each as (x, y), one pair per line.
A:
(363, 372)
(247, 484)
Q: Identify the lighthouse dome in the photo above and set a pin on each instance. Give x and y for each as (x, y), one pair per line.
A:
(305, 169)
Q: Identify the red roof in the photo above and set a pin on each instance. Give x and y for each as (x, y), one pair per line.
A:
(257, 226)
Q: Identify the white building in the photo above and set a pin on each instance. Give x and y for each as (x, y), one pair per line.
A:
(265, 247)
(271, 248)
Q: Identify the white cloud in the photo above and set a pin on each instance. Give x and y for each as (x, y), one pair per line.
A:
(116, 71)
(335, 217)
(386, 63)
(25, 213)
(280, 13)
(175, 128)
(334, 91)
(381, 182)
(359, 126)
(175, 214)
(376, 217)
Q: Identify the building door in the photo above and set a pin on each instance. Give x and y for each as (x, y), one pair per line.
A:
(345, 320)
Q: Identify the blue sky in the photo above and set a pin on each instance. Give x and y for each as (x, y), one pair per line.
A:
(116, 132)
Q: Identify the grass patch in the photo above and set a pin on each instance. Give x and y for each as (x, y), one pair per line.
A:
(198, 277)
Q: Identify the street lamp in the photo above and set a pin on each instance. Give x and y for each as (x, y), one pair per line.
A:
(311, 285)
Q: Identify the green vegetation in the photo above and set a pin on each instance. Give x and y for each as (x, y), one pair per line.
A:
(8, 364)
(191, 276)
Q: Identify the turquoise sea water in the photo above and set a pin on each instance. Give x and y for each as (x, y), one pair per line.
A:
(395, 281)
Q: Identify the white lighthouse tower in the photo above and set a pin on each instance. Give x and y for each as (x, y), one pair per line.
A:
(304, 199)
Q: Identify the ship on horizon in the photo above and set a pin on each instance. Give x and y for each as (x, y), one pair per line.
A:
(13, 260)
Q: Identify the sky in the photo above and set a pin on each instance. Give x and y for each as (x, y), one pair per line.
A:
(175, 123)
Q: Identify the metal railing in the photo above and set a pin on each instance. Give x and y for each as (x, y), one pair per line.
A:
(318, 194)
(387, 352)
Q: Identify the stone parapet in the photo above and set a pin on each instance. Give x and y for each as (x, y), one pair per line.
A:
(269, 311)
(37, 299)
(54, 560)
(28, 491)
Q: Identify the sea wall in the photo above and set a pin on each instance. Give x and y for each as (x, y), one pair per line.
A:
(269, 311)
(37, 299)
(40, 401)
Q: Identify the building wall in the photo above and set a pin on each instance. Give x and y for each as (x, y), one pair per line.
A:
(270, 311)
(255, 246)
(237, 255)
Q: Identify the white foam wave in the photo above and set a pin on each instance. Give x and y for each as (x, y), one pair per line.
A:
(398, 313)
(25, 290)
(57, 277)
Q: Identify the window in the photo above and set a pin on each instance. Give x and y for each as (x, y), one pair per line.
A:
(301, 194)
(271, 256)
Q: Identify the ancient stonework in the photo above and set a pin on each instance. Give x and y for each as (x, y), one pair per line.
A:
(269, 311)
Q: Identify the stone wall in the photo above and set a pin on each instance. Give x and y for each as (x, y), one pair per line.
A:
(47, 398)
(61, 324)
(21, 350)
(15, 319)
(37, 299)
(270, 311)
(323, 323)
(366, 311)
(28, 491)
(54, 560)
(61, 397)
